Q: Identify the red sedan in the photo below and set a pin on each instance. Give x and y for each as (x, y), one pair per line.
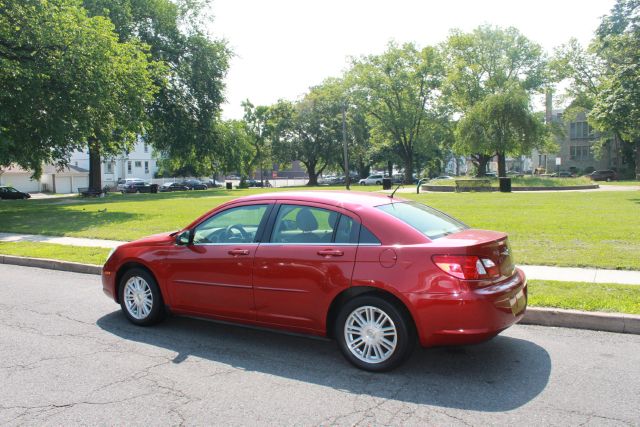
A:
(375, 273)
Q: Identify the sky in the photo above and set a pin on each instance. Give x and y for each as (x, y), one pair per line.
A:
(283, 47)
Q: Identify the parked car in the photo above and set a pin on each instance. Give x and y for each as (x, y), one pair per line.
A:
(7, 192)
(442, 177)
(374, 273)
(212, 183)
(195, 184)
(603, 175)
(491, 175)
(139, 187)
(372, 180)
(123, 182)
(173, 186)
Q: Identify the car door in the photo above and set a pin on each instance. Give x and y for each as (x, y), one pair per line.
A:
(212, 275)
(307, 260)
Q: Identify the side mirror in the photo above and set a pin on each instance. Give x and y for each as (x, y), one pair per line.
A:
(184, 238)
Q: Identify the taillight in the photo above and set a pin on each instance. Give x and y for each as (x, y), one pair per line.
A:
(467, 267)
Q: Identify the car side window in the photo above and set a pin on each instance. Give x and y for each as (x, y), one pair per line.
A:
(367, 237)
(231, 226)
(303, 224)
(347, 231)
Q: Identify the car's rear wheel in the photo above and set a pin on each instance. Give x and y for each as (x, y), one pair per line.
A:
(140, 298)
(373, 334)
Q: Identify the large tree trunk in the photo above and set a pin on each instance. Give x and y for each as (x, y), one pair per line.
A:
(95, 170)
(502, 165)
(481, 162)
(390, 168)
(408, 169)
(363, 170)
(313, 175)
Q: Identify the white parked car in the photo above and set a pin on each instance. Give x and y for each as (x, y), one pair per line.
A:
(372, 180)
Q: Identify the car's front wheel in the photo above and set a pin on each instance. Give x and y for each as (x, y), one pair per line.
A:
(140, 298)
(374, 334)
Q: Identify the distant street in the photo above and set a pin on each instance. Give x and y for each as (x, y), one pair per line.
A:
(68, 357)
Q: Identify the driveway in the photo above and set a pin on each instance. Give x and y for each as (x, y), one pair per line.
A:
(68, 357)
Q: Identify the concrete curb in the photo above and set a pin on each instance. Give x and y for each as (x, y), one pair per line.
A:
(51, 264)
(595, 321)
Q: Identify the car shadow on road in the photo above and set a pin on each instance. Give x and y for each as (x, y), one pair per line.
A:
(500, 375)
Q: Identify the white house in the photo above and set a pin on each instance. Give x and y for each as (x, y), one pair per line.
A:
(66, 180)
(137, 163)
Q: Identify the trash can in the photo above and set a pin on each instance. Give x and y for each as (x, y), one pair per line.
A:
(229, 186)
(154, 188)
(386, 183)
(505, 185)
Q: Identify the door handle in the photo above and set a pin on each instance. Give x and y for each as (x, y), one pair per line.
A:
(236, 252)
(330, 252)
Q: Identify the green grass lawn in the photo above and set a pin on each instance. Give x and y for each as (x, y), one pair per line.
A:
(585, 296)
(85, 255)
(599, 229)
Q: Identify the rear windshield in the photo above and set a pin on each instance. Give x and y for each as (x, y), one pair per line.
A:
(430, 222)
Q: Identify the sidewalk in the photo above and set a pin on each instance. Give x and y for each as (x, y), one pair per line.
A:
(533, 272)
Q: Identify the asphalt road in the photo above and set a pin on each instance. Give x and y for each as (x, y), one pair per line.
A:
(67, 357)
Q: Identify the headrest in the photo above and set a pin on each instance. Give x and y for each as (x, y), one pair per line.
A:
(305, 220)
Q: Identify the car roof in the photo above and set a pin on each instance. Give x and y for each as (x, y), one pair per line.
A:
(345, 199)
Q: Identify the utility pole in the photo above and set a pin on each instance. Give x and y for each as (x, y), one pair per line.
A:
(344, 146)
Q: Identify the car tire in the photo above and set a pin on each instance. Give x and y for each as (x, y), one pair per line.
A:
(140, 298)
(370, 324)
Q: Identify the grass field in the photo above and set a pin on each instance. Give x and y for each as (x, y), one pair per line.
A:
(599, 229)
(85, 255)
(585, 296)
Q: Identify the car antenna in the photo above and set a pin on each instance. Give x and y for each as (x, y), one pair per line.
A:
(394, 191)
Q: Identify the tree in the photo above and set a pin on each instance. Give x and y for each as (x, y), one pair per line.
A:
(502, 124)
(617, 44)
(186, 106)
(311, 130)
(258, 127)
(400, 90)
(66, 83)
(483, 64)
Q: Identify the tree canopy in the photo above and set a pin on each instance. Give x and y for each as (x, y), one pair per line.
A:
(400, 90)
(66, 82)
(493, 67)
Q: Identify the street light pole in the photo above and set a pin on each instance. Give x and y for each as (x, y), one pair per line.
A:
(344, 146)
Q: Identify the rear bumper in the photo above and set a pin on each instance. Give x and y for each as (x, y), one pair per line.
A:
(469, 317)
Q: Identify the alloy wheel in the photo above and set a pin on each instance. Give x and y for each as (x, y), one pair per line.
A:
(370, 334)
(138, 297)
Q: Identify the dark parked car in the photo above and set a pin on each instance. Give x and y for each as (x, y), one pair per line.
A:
(173, 186)
(12, 193)
(139, 187)
(195, 184)
(374, 273)
(603, 175)
(215, 183)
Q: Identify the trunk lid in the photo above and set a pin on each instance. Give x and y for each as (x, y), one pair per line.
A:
(483, 244)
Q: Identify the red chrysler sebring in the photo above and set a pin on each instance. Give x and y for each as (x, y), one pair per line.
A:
(373, 272)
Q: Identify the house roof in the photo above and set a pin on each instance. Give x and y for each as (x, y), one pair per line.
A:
(47, 169)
